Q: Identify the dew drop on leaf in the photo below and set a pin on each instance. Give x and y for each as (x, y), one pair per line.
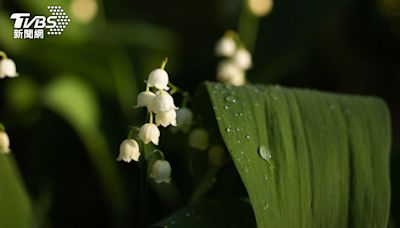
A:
(264, 152)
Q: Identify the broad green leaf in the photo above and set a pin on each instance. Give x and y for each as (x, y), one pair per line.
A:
(15, 208)
(307, 158)
(211, 214)
(76, 102)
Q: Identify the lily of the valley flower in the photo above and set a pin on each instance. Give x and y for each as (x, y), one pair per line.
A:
(4, 143)
(242, 58)
(230, 73)
(184, 119)
(260, 7)
(163, 102)
(226, 46)
(158, 78)
(128, 151)
(145, 99)
(166, 118)
(149, 133)
(8, 68)
(161, 171)
(198, 139)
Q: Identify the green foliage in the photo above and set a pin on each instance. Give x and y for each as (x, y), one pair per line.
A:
(15, 210)
(306, 158)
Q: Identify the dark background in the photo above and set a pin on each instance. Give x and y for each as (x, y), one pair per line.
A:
(345, 46)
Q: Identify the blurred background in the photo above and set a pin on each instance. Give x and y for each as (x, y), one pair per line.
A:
(72, 104)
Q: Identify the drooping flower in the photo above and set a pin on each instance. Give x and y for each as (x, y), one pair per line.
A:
(128, 151)
(242, 58)
(166, 118)
(184, 119)
(149, 133)
(161, 171)
(145, 99)
(158, 78)
(8, 68)
(198, 139)
(163, 102)
(225, 47)
(4, 143)
(230, 73)
(260, 7)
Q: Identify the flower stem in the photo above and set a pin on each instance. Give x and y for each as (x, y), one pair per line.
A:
(2, 128)
(164, 63)
(150, 117)
(3, 55)
(248, 27)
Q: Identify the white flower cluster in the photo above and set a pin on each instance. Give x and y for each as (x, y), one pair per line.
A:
(7, 67)
(232, 70)
(160, 103)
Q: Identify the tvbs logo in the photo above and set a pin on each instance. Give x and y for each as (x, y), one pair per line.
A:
(26, 27)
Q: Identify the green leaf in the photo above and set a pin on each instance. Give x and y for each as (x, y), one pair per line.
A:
(307, 158)
(15, 208)
(75, 101)
(211, 214)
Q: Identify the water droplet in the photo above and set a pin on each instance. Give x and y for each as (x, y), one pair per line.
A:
(241, 114)
(266, 206)
(242, 152)
(238, 141)
(226, 107)
(246, 170)
(248, 137)
(230, 99)
(238, 129)
(228, 129)
(264, 152)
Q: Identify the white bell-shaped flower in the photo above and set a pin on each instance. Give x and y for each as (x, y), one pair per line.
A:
(166, 118)
(229, 72)
(225, 47)
(145, 99)
(128, 151)
(158, 78)
(260, 7)
(242, 58)
(184, 119)
(149, 133)
(4, 143)
(8, 68)
(198, 139)
(163, 102)
(161, 171)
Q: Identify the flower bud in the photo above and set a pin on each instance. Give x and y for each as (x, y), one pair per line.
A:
(149, 133)
(260, 7)
(158, 78)
(229, 72)
(198, 139)
(216, 155)
(7, 68)
(166, 118)
(243, 58)
(128, 151)
(4, 143)
(163, 102)
(184, 119)
(145, 99)
(225, 47)
(161, 171)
